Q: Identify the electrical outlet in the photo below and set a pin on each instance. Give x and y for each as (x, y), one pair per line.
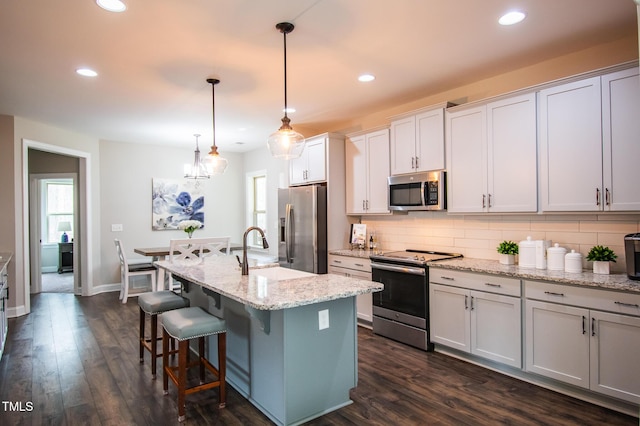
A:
(116, 227)
(323, 319)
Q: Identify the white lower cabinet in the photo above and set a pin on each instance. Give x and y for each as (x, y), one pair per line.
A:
(483, 323)
(580, 345)
(355, 267)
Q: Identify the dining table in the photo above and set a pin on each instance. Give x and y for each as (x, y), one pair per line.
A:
(160, 253)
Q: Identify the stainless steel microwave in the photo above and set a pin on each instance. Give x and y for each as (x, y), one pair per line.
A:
(419, 191)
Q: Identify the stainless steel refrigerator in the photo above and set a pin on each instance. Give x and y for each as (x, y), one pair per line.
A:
(302, 211)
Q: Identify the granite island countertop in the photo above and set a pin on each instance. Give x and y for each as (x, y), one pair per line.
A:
(619, 282)
(222, 275)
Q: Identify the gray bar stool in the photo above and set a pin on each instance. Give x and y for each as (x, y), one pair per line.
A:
(154, 304)
(183, 325)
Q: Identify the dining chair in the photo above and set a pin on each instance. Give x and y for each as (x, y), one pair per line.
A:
(129, 270)
(196, 249)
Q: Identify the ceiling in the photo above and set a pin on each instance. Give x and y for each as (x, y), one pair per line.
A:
(153, 60)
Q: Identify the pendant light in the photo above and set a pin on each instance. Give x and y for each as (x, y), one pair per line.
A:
(216, 165)
(286, 143)
(197, 170)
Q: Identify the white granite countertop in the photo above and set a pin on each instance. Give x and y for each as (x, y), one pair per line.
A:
(619, 282)
(222, 275)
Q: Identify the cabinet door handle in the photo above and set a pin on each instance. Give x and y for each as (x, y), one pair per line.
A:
(551, 293)
(630, 305)
(472, 303)
(607, 197)
(484, 204)
(363, 205)
(597, 196)
(593, 326)
(493, 285)
(417, 162)
(413, 162)
(489, 200)
(466, 303)
(447, 278)
(584, 319)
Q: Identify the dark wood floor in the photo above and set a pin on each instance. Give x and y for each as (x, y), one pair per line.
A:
(75, 359)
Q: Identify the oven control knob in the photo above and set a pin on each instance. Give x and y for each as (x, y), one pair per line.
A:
(422, 258)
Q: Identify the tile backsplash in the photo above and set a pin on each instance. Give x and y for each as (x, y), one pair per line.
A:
(477, 236)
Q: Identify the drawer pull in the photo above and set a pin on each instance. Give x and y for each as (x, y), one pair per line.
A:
(360, 265)
(584, 331)
(630, 305)
(593, 326)
(447, 278)
(337, 261)
(551, 293)
(493, 285)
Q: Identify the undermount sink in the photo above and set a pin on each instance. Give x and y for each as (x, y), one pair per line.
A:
(279, 273)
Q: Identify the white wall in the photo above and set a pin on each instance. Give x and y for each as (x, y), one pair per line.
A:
(127, 171)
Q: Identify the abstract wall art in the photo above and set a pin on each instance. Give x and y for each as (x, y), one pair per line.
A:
(176, 200)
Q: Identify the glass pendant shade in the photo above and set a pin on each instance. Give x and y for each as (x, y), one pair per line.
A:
(286, 143)
(198, 169)
(215, 164)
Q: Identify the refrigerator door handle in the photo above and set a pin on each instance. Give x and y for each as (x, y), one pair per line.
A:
(288, 232)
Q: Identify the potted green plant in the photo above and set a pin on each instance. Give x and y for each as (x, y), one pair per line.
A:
(508, 251)
(601, 256)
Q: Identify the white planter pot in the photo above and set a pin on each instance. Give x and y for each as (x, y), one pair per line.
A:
(507, 259)
(601, 267)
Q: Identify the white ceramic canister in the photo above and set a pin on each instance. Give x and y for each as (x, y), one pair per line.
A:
(527, 253)
(555, 257)
(541, 253)
(573, 262)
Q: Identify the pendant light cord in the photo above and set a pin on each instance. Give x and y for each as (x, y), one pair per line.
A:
(213, 82)
(285, 73)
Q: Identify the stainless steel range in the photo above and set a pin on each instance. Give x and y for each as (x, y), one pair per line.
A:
(401, 310)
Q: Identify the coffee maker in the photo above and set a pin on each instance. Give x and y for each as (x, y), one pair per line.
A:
(632, 253)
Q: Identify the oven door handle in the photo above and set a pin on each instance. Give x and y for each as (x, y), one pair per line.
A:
(399, 268)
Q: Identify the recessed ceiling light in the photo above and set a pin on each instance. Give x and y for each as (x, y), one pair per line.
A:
(87, 72)
(112, 5)
(512, 17)
(366, 77)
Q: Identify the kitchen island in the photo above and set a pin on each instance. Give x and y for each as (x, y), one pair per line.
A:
(291, 335)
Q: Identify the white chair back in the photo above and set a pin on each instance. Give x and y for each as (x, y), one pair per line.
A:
(216, 246)
(195, 248)
(130, 270)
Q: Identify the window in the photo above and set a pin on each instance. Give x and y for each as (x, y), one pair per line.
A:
(58, 209)
(256, 205)
(259, 209)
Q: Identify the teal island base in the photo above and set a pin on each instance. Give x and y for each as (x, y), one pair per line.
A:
(293, 364)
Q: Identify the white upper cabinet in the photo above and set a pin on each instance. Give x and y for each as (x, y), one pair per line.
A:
(589, 146)
(311, 166)
(367, 169)
(417, 142)
(491, 157)
(621, 140)
(571, 147)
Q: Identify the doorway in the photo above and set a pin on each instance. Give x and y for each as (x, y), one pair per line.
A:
(29, 262)
(55, 209)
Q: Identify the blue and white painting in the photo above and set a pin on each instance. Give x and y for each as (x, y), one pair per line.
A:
(176, 200)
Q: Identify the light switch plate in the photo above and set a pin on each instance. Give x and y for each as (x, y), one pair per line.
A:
(323, 319)
(116, 227)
